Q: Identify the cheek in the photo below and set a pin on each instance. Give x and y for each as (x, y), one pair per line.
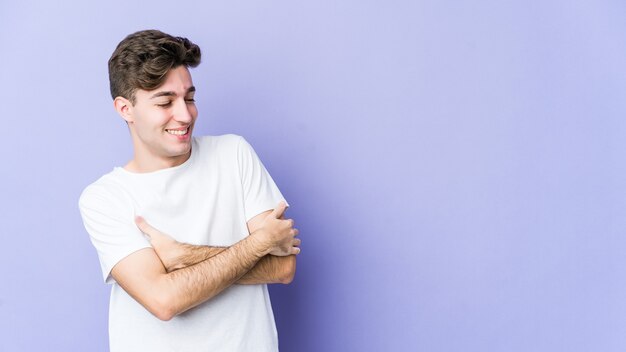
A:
(159, 117)
(154, 119)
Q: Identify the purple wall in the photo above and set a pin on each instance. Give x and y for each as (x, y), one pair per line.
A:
(456, 170)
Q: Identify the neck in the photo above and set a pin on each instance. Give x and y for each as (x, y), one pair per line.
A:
(146, 161)
(140, 165)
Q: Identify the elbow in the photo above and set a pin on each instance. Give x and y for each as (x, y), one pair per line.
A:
(287, 279)
(289, 270)
(163, 314)
(162, 307)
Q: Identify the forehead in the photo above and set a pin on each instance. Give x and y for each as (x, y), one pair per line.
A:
(177, 81)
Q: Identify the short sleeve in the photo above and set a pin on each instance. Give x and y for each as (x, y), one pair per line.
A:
(109, 220)
(259, 190)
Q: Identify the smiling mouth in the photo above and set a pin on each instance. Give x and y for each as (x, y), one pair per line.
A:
(178, 132)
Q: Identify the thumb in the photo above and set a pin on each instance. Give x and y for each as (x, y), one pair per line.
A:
(279, 210)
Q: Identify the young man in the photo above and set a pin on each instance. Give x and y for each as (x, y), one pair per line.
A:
(198, 283)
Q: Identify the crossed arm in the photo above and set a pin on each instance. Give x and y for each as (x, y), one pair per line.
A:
(175, 255)
(187, 276)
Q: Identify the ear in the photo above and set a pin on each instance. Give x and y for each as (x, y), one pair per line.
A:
(124, 107)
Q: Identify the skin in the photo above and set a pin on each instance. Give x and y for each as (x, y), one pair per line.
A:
(171, 106)
(176, 255)
(172, 277)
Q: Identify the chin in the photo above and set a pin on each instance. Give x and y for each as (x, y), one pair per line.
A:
(177, 152)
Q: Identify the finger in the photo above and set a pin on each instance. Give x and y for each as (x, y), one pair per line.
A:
(296, 242)
(279, 210)
(294, 250)
(143, 225)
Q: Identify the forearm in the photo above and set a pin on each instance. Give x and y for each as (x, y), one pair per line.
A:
(187, 255)
(188, 287)
(269, 270)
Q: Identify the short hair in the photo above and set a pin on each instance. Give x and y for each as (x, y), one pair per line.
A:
(143, 59)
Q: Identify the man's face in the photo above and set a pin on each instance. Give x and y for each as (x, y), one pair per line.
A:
(162, 120)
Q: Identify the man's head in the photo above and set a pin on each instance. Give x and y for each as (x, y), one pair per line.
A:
(153, 91)
(142, 60)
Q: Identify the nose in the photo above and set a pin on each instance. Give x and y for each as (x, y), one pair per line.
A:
(183, 112)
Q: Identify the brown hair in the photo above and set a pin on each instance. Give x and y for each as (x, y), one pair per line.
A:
(143, 59)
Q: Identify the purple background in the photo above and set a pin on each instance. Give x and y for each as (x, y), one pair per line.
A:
(456, 168)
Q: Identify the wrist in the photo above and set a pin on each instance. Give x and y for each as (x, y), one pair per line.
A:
(260, 242)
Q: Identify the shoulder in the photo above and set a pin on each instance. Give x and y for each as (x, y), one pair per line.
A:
(225, 143)
(107, 189)
(221, 140)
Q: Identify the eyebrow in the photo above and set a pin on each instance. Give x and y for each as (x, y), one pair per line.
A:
(171, 94)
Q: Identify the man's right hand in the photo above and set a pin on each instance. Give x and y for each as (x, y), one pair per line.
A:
(279, 234)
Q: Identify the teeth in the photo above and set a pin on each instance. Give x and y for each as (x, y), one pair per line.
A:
(177, 132)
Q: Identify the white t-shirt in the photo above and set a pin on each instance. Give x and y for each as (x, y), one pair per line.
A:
(207, 200)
